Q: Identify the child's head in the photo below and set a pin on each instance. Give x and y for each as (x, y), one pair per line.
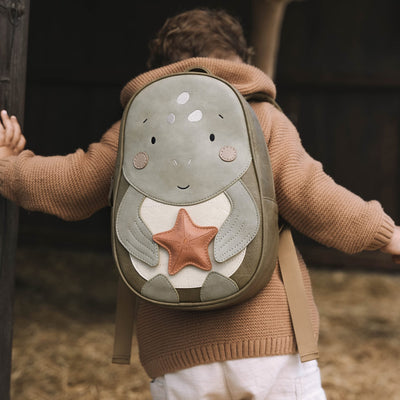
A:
(199, 33)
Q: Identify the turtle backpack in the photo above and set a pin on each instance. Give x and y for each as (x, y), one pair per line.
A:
(194, 215)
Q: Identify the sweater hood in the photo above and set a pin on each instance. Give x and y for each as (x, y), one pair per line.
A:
(244, 77)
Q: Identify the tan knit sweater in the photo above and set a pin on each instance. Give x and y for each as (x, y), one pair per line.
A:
(75, 186)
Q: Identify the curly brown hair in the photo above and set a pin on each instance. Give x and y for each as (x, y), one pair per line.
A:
(198, 33)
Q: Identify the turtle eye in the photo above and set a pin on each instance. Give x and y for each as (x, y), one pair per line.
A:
(153, 140)
(212, 137)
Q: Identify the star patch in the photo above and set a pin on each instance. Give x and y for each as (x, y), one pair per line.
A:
(187, 243)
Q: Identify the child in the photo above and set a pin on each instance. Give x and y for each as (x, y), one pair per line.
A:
(249, 350)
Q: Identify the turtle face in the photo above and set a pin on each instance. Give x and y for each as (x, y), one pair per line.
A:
(185, 140)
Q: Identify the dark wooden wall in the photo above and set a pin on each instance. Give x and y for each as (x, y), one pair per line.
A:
(338, 79)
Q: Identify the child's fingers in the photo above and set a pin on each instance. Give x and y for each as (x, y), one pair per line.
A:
(10, 134)
(16, 131)
(2, 130)
(8, 126)
(20, 145)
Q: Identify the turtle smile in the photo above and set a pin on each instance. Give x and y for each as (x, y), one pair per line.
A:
(183, 187)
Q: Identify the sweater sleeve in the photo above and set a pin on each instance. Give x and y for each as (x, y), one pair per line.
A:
(71, 187)
(311, 201)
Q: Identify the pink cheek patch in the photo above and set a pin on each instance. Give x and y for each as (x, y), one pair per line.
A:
(228, 153)
(140, 161)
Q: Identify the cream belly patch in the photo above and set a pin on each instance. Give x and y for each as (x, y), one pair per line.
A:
(161, 217)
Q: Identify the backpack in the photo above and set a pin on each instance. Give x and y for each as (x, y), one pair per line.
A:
(194, 215)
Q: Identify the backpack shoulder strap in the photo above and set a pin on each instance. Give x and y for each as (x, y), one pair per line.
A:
(261, 96)
(125, 314)
(293, 281)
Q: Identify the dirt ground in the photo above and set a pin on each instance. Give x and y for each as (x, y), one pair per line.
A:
(63, 331)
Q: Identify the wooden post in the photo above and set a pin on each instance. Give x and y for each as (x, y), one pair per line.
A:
(14, 17)
(267, 22)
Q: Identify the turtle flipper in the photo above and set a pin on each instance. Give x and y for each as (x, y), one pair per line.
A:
(217, 286)
(240, 227)
(132, 232)
(160, 288)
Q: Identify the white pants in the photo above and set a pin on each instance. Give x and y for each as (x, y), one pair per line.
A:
(267, 378)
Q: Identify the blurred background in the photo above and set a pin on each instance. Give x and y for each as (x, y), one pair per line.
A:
(338, 80)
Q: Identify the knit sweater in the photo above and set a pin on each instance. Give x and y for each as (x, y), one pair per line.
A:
(75, 186)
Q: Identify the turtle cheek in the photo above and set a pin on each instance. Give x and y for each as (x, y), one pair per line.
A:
(228, 153)
(140, 160)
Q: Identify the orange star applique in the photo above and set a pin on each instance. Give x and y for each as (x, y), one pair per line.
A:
(186, 243)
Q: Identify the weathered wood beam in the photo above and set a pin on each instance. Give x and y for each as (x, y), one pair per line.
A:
(267, 22)
(14, 17)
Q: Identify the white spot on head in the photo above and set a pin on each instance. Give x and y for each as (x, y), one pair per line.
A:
(171, 118)
(183, 98)
(195, 116)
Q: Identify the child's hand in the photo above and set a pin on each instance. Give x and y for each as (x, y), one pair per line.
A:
(12, 141)
(393, 247)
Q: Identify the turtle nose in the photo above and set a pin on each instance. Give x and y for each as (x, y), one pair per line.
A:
(181, 163)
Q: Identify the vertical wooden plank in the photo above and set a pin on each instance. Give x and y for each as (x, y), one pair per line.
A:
(267, 21)
(14, 17)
